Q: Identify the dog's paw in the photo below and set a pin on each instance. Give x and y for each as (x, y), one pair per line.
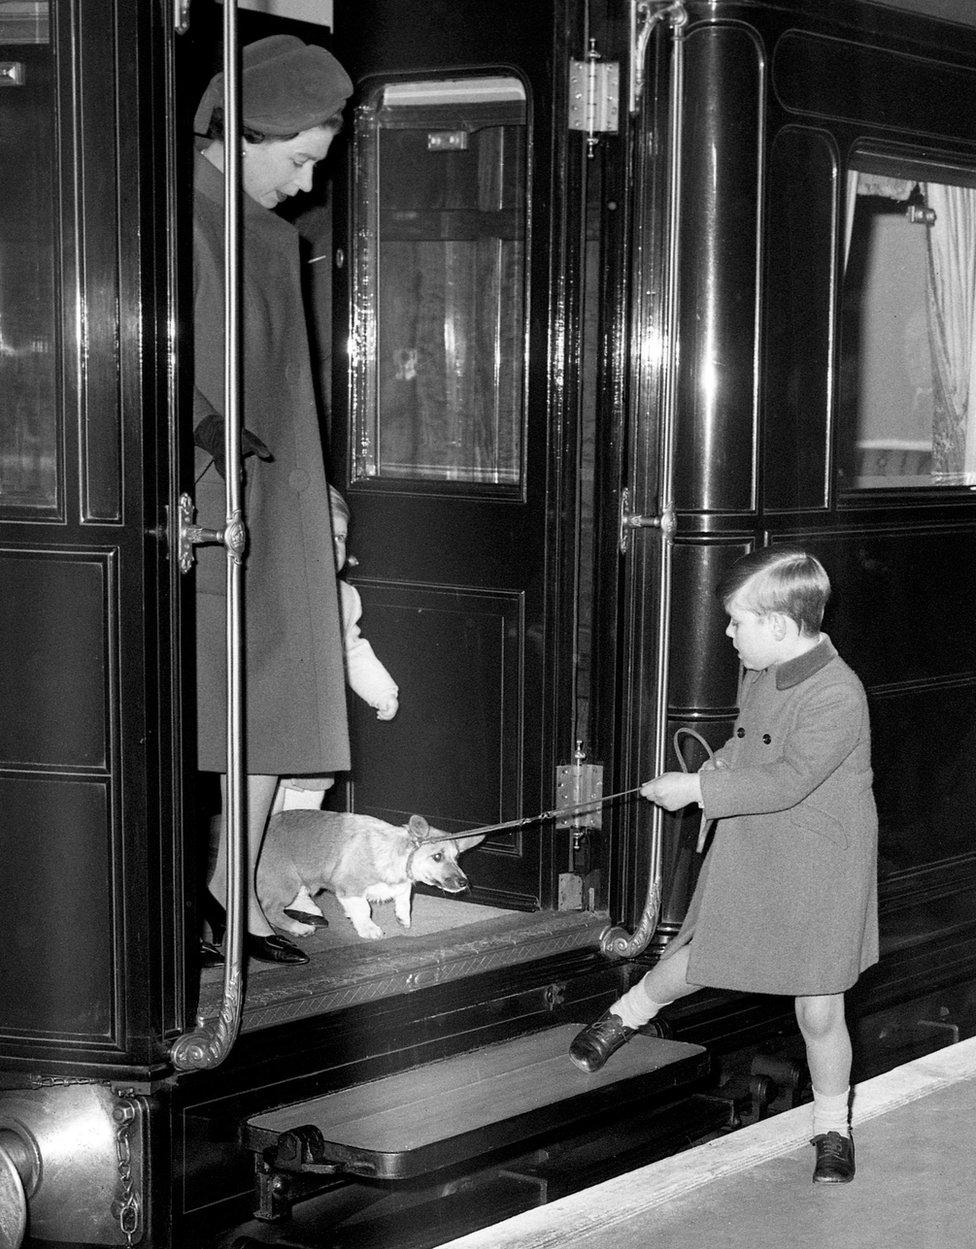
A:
(369, 931)
(403, 921)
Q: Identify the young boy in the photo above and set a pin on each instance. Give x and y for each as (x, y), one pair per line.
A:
(364, 672)
(786, 901)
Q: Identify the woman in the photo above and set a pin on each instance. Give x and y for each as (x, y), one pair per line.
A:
(291, 99)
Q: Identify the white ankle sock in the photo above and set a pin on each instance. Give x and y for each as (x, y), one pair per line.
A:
(635, 1008)
(830, 1112)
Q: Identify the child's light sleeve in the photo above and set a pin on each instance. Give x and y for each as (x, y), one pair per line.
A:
(365, 673)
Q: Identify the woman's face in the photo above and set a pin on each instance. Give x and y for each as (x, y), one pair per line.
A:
(276, 169)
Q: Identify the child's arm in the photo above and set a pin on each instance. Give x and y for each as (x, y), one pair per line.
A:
(827, 727)
(366, 675)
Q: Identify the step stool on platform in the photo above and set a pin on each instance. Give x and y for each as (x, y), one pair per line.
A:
(455, 1110)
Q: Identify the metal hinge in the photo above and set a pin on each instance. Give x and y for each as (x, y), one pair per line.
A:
(578, 784)
(594, 96)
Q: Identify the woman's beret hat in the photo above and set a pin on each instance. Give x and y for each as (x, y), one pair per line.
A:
(286, 86)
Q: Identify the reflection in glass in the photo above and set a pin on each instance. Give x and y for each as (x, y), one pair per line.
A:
(907, 391)
(438, 342)
(28, 396)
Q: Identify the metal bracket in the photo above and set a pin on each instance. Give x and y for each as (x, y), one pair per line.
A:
(594, 96)
(667, 522)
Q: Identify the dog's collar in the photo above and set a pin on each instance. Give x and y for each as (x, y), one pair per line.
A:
(414, 847)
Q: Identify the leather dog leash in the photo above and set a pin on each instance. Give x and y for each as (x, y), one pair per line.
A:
(706, 823)
(590, 803)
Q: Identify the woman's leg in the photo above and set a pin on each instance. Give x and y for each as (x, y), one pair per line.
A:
(260, 794)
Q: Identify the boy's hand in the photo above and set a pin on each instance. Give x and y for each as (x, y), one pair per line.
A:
(673, 790)
(713, 765)
(387, 709)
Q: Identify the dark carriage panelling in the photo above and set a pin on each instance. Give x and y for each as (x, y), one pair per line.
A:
(56, 974)
(719, 247)
(55, 671)
(699, 625)
(461, 702)
(923, 744)
(834, 78)
(800, 233)
(903, 602)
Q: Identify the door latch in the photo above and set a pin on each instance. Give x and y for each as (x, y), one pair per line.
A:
(189, 535)
(667, 522)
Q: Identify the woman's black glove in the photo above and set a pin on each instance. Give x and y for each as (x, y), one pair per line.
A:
(209, 436)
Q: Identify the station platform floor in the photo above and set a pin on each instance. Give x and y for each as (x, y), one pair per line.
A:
(915, 1143)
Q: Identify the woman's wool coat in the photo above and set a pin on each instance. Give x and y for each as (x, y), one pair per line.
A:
(294, 679)
(787, 901)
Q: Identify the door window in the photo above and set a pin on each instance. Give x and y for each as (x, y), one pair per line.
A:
(28, 303)
(438, 341)
(907, 383)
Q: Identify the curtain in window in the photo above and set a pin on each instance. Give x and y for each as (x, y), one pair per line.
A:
(952, 322)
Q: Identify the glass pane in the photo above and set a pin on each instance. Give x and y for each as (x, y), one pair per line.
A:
(28, 408)
(907, 390)
(440, 283)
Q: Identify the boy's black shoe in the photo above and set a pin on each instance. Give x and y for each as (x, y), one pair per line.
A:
(835, 1159)
(593, 1046)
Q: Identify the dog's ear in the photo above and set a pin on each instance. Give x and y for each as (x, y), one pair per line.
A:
(467, 843)
(418, 828)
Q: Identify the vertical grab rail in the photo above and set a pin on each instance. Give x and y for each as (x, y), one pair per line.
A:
(616, 941)
(211, 1041)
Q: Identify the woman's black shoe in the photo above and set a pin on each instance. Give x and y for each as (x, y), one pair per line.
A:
(210, 954)
(273, 949)
(270, 949)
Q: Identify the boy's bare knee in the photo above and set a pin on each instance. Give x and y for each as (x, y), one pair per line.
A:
(820, 1016)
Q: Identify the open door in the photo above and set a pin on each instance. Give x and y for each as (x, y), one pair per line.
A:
(89, 783)
(445, 401)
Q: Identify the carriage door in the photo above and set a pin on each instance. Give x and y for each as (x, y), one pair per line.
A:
(87, 767)
(441, 378)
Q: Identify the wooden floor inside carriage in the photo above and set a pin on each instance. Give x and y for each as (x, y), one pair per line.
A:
(447, 940)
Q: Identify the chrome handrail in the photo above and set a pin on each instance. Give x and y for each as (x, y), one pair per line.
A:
(616, 941)
(207, 1045)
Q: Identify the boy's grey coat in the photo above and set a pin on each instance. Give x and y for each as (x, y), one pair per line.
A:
(295, 684)
(787, 899)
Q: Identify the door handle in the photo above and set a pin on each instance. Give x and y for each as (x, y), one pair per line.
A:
(666, 522)
(233, 537)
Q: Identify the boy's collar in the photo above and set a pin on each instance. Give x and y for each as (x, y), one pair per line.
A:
(794, 671)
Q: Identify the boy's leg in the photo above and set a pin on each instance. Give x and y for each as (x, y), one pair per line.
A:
(664, 983)
(828, 1045)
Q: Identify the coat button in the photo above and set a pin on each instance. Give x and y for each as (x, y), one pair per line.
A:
(298, 480)
(766, 739)
(740, 732)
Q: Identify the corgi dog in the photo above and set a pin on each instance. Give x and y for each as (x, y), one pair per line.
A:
(358, 858)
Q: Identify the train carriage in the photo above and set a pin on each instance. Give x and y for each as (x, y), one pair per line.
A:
(604, 295)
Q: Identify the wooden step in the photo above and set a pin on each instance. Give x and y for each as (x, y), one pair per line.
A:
(459, 1108)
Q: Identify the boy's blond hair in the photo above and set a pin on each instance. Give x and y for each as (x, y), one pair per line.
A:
(337, 505)
(774, 580)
